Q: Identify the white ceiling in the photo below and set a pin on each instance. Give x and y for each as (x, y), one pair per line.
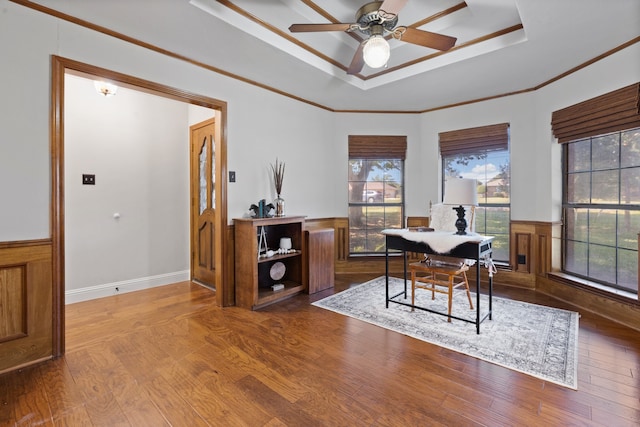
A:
(503, 46)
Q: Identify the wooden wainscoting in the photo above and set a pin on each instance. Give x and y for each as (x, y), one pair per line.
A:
(538, 242)
(530, 253)
(26, 328)
(621, 310)
(530, 256)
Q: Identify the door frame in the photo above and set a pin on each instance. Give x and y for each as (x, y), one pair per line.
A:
(59, 67)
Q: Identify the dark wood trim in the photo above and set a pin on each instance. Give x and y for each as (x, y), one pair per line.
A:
(622, 310)
(24, 243)
(220, 71)
(482, 39)
(56, 136)
(60, 65)
(157, 49)
(28, 267)
(439, 15)
(283, 34)
(587, 63)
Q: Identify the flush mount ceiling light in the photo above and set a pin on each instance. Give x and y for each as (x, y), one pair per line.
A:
(105, 88)
(378, 20)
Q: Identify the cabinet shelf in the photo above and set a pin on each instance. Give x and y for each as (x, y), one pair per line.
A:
(252, 274)
(267, 296)
(277, 257)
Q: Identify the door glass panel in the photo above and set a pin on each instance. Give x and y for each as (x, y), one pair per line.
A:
(213, 173)
(203, 177)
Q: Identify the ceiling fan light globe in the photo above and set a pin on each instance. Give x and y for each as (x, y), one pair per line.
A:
(376, 51)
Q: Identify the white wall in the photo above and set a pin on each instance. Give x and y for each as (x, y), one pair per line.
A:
(132, 226)
(263, 125)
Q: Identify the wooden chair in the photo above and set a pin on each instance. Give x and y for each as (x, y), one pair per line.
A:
(436, 276)
(442, 274)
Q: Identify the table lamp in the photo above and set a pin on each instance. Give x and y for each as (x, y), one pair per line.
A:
(460, 191)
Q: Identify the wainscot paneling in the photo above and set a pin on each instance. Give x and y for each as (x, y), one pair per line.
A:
(535, 253)
(26, 333)
(620, 310)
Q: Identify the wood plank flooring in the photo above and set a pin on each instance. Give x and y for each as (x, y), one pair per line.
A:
(168, 357)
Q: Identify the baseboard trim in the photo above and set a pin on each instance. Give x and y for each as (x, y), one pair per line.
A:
(116, 288)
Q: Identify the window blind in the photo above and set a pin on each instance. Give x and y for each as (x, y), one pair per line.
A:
(377, 147)
(612, 112)
(491, 137)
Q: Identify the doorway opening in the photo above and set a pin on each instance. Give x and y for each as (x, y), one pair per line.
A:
(60, 68)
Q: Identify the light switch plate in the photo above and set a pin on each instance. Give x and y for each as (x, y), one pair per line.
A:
(88, 179)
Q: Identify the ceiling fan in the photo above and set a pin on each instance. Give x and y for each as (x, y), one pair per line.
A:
(378, 20)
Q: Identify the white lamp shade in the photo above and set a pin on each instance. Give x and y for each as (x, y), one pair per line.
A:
(461, 191)
(376, 51)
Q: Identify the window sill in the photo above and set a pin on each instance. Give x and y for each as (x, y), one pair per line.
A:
(595, 288)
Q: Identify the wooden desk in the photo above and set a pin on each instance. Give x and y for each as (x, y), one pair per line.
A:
(470, 250)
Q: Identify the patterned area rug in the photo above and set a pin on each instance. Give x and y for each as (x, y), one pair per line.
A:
(533, 339)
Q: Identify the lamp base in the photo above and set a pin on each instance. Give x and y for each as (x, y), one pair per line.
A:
(461, 223)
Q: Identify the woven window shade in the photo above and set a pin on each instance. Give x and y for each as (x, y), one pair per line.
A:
(612, 112)
(492, 137)
(377, 147)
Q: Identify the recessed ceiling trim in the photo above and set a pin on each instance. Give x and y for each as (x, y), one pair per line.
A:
(477, 41)
(439, 15)
(279, 32)
(245, 21)
(304, 51)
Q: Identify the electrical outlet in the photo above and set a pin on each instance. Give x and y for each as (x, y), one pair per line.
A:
(88, 179)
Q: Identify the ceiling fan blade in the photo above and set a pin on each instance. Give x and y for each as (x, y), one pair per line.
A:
(303, 28)
(428, 39)
(357, 63)
(392, 6)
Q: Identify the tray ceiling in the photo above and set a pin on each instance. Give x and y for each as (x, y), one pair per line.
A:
(503, 46)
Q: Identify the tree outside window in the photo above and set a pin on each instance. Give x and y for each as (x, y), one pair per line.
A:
(483, 153)
(491, 169)
(375, 203)
(376, 191)
(601, 209)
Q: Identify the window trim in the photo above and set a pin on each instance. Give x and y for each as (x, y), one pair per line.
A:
(377, 147)
(581, 280)
(478, 140)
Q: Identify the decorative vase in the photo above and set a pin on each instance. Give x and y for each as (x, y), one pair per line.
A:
(279, 203)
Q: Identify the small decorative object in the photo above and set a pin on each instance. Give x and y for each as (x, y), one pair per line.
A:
(278, 177)
(262, 242)
(285, 243)
(277, 270)
(460, 191)
(262, 209)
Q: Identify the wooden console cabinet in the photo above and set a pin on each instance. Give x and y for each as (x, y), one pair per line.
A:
(320, 259)
(253, 273)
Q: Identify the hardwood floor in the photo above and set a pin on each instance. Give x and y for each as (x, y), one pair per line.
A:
(168, 357)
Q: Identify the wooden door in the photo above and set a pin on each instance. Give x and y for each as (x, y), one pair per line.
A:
(203, 202)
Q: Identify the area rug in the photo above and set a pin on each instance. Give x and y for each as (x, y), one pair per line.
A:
(533, 339)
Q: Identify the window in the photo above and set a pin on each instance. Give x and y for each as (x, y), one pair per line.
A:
(376, 190)
(601, 188)
(601, 209)
(483, 153)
